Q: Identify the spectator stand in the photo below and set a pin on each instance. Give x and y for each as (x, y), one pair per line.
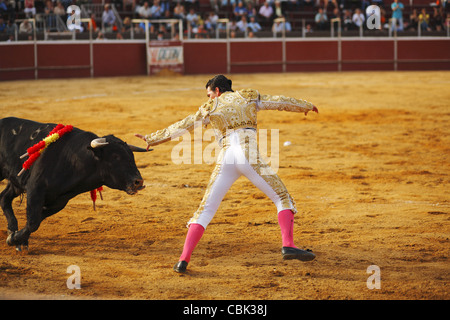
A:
(300, 17)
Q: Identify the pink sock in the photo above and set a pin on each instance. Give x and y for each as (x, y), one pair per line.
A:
(193, 236)
(286, 222)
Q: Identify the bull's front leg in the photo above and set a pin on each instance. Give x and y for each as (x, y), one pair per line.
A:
(35, 200)
(6, 198)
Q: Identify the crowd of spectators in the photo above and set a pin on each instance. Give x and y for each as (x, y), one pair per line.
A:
(433, 18)
(246, 17)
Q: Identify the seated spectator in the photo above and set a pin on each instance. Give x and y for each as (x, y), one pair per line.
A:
(266, 13)
(253, 25)
(437, 20)
(211, 21)
(335, 15)
(278, 11)
(242, 24)
(413, 21)
(145, 12)
(59, 10)
(11, 28)
(108, 19)
(126, 27)
(179, 12)
(321, 20)
(30, 9)
(278, 26)
(347, 21)
(251, 11)
(25, 27)
(424, 20)
(239, 11)
(358, 18)
(156, 10)
(192, 18)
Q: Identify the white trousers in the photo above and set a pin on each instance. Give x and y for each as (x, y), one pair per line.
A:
(232, 163)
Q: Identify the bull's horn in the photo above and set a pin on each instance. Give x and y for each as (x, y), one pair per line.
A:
(98, 143)
(137, 149)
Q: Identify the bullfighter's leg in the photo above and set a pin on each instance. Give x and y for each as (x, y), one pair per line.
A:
(6, 198)
(35, 201)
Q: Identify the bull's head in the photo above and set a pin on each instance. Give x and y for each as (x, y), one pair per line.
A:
(117, 164)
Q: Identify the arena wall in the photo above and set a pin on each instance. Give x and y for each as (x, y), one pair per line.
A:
(68, 59)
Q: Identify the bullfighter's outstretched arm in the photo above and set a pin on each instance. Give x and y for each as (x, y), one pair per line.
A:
(282, 103)
(178, 128)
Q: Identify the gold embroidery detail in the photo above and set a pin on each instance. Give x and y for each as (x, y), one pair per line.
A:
(282, 103)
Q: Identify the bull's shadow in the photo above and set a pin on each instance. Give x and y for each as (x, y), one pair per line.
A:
(76, 162)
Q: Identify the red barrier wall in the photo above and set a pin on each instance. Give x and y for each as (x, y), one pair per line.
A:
(365, 55)
(73, 60)
(205, 57)
(424, 55)
(312, 56)
(127, 58)
(253, 57)
(117, 59)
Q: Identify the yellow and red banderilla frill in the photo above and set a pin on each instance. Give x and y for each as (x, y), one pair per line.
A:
(35, 151)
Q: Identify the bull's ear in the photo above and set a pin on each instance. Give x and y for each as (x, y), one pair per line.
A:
(137, 149)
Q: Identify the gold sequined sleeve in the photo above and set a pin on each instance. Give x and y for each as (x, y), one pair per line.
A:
(282, 103)
(179, 128)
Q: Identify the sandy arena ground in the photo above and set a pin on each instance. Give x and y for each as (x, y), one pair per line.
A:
(369, 174)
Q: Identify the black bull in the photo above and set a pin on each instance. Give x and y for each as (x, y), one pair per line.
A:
(77, 162)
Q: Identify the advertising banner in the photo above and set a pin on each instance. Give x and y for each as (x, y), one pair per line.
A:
(165, 55)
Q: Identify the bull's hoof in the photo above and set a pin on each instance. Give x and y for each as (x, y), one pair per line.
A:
(10, 242)
(9, 239)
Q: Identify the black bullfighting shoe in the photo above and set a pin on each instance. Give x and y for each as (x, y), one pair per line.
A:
(180, 266)
(289, 253)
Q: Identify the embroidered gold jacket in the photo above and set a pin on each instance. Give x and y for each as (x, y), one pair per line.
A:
(228, 112)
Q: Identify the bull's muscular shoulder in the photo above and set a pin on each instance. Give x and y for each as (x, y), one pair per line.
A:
(249, 94)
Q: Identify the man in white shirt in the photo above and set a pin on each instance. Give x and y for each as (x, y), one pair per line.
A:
(108, 18)
(358, 18)
(242, 25)
(266, 13)
(253, 25)
(145, 11)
